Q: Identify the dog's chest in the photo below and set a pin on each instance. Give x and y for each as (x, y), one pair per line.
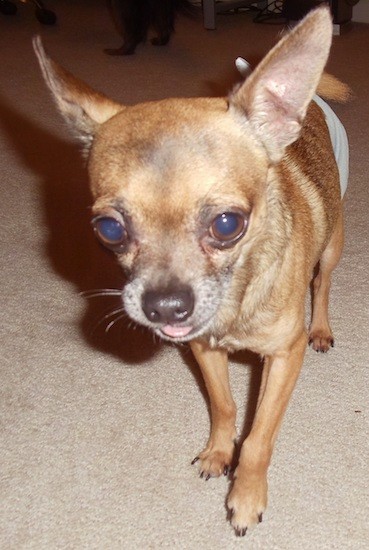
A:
(263, 333)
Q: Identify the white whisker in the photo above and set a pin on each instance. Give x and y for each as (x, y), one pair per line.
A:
(117, 311)
(110, 316)
(101, 292)
(109, 326)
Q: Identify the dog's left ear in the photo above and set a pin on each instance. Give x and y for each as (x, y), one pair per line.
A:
(275, 98)
(83, 108)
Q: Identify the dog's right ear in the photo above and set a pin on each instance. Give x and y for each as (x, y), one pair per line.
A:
(83, 108)
(274, 99)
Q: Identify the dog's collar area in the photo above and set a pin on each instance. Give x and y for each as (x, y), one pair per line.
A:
(339, 141)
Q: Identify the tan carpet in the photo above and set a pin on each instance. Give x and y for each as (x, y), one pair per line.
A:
(98, 430)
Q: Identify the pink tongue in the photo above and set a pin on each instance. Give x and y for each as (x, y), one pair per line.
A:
(176, 332)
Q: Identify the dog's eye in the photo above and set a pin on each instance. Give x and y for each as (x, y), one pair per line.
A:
(110, 232)
(227, 228)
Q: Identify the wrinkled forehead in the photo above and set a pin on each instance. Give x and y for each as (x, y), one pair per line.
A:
(174, 150)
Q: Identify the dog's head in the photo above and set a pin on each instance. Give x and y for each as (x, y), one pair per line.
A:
(182, 187)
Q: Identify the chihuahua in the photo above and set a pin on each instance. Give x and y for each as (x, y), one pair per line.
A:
(219, 210)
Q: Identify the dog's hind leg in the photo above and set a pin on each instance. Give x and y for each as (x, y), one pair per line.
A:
(216, 458)
(320, 334)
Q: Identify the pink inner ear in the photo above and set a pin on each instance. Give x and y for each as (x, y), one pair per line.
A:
(289, 85)
(277, 88)
(279, 104)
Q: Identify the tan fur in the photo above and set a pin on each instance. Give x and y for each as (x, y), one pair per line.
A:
(330, 87)
(168, 174)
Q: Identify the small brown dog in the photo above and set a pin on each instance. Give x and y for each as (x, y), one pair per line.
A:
(218, 210)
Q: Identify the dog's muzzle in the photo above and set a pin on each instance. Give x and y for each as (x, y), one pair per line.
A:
(170, 309)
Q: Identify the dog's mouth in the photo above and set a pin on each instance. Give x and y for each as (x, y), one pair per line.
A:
(181, 333)
(175, 332)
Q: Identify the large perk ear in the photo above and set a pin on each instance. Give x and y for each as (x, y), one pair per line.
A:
(275, 98)
(83, 108)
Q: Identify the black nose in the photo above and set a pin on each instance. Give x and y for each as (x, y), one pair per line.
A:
(168, 306)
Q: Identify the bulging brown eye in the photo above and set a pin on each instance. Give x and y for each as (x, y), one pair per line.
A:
(111, 232)
(227, 228)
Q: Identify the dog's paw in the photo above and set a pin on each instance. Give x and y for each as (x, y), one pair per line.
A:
(321, 340)
(214, 462)
(247, 502)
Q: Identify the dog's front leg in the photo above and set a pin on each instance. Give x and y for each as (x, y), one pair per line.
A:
(248, 498)
(217, 456)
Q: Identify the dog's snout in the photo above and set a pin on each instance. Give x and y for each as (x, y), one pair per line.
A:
(168, 306)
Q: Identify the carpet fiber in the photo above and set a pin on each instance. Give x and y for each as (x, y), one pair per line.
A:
(99, 428)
